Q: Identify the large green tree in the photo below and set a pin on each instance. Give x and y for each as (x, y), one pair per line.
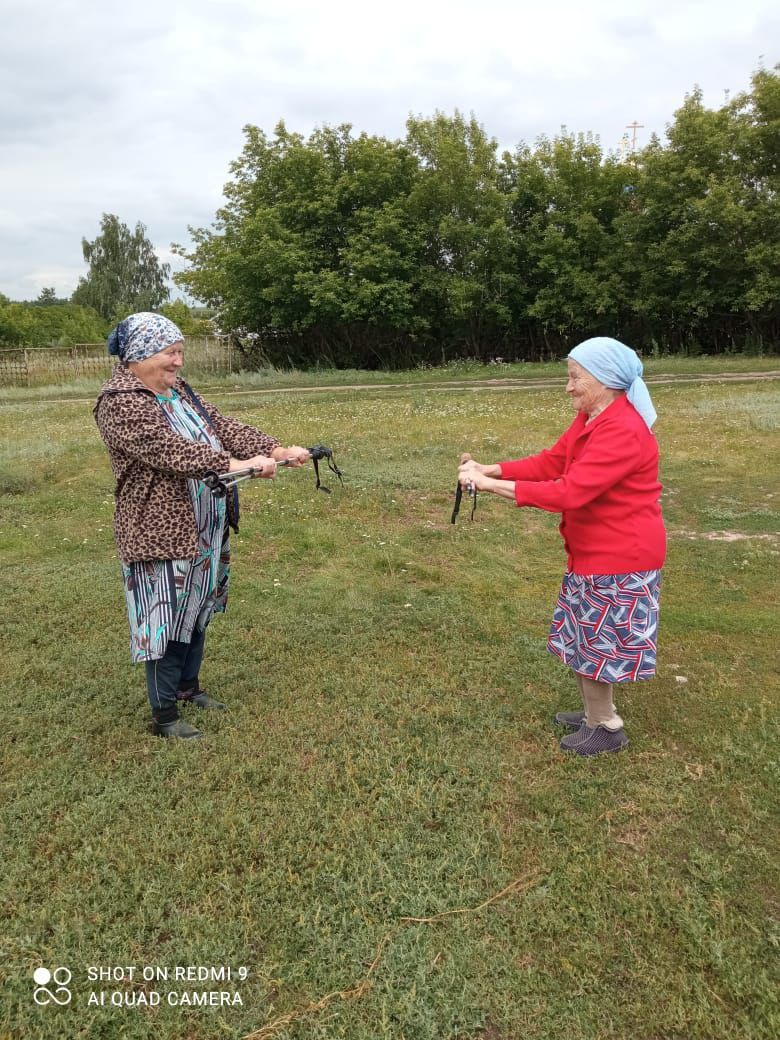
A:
(566, 198)
(706, 225)
(125, 274)
(313, 250)
(458, 204)
(757, 118)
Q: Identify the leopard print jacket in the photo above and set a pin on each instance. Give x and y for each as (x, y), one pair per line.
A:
(154, 519)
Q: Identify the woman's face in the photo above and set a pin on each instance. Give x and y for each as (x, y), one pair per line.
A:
(161, 370)
(586, 392)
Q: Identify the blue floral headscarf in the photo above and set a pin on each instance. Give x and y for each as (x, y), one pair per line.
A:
(617, 366)
(141, 335)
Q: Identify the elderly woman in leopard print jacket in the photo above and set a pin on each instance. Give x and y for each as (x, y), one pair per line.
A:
(171, 533)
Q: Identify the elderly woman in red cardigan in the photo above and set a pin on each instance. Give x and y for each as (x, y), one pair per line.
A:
(602, 477)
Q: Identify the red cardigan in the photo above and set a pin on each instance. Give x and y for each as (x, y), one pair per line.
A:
(603, 478)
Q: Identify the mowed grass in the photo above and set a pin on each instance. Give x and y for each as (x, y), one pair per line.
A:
(389, 751)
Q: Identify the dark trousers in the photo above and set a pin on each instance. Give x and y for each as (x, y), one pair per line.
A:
(173, 674)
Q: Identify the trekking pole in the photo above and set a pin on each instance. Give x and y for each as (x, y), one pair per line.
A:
(220, 483)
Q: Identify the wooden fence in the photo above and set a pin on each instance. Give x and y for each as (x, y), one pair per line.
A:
(40, 366)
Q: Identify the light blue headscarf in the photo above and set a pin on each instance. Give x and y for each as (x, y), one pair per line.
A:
(141, 335)
(617, 366)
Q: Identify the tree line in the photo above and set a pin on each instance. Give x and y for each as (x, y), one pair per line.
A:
(362, 251)
(52, 321)
(124, 276)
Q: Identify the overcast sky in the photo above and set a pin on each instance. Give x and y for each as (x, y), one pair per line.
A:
(137, 108)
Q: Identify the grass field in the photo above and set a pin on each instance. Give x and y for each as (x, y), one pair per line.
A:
(454, 371)
(389, 752)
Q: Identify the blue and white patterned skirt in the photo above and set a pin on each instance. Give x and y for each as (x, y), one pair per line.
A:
(605, 626)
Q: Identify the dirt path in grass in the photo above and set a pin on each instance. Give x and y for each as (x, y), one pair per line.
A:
(506, 383)
(494, 384)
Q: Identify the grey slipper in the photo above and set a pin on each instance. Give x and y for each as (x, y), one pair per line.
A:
(594, 740)
(178, 728)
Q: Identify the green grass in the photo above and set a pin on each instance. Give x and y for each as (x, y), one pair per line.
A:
(388, 752)
(454, 371)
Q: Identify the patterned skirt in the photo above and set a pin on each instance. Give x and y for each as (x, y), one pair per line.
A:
(605, 626)
(171, 599)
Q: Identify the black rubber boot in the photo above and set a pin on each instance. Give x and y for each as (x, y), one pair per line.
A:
(178, 728)
(200, 699)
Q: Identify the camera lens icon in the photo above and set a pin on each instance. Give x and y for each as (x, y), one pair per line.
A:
(43, 995)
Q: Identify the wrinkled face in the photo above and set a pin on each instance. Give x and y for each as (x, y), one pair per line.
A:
(161, 369)
(587, 394)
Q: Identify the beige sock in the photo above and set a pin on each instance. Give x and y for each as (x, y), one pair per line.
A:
(578, 677)
(599, 709)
